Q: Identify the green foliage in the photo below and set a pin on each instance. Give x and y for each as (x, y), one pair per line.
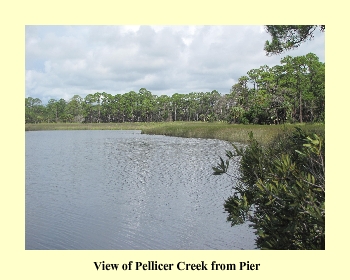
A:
(287, 37)
(281, 190)
(291, 92)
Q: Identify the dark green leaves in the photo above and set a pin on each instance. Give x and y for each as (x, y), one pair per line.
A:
(287, 37)
(222, 167)
(281, 191)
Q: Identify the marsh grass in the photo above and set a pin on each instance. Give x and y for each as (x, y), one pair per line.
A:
(216, 130)
(228, 132)
(86, 126)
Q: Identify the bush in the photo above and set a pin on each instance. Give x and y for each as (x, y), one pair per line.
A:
(281, 190)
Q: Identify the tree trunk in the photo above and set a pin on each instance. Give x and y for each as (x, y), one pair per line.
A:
(300, 109)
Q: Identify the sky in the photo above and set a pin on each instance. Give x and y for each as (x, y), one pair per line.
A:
(62, 61)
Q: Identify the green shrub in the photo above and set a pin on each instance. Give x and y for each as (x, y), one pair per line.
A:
(281, 190)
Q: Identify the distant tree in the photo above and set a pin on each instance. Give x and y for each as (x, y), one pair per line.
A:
(293, 91)
(52, 110)
(130, 104)
(146, 105)
(62, 112)
(164, 107)
(89, 108)
(74, 108)
(176, 100)
(287, 37)
(34, 110)
(97, 97)
(305, 77)
(107, 107)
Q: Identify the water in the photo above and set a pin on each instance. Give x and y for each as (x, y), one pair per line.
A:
(125, 190)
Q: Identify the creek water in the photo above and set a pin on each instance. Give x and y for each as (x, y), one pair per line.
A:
(123, 190)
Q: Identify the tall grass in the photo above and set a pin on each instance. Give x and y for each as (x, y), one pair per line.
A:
(228, 132)
(216, 130)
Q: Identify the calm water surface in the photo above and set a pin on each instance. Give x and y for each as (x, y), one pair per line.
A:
(126, 190)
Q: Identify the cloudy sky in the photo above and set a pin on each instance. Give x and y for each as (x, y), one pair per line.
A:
(62, 61)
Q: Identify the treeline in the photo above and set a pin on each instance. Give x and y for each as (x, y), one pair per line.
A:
(293, 91)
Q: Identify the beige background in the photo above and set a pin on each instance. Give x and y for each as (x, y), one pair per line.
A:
(16, 263)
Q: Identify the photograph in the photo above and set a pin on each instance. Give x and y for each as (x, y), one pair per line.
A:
(175, 137)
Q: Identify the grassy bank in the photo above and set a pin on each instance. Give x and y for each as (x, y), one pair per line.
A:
(227, 132)
(87, 126)
(216, 130)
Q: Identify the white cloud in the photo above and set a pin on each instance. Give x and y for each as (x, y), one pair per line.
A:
(62, 61)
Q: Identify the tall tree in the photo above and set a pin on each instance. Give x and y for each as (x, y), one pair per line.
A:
(52, 110)
(34, 110)
(176, 101)
(107, 106)
(74, 108)
(97, 97)
(89, 108)
(304, 75)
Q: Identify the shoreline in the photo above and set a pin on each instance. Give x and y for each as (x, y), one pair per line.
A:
(237, 133)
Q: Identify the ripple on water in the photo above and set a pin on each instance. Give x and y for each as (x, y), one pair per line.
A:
(122, 190)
